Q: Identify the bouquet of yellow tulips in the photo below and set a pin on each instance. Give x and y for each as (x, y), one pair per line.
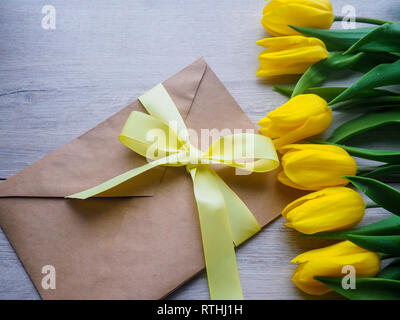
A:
(303, 43)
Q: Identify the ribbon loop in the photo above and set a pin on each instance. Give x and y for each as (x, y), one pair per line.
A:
(247, 151)
(158, 103)
(149, 136)
(225, 220)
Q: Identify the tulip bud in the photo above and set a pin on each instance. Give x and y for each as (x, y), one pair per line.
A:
(315, 167)
(329, 261)
(329, 209)
(289, 55)
(301, 117)
(279, 14)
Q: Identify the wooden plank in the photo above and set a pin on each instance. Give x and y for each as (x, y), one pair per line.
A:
(57, 84)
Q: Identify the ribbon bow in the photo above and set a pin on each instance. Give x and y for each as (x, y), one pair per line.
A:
(225, 221)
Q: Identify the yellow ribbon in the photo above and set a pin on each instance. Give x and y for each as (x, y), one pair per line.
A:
(225, 220)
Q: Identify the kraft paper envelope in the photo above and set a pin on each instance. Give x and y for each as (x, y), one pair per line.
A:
(144, 245)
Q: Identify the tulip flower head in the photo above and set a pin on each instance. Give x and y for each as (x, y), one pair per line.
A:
(329, 209)
(289, 55)
(329, 261)
(301, 117)
(315, 167)
(279, 14)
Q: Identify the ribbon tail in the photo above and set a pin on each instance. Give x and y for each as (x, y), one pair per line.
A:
(243, 223)
(113, 182)
(218, 246)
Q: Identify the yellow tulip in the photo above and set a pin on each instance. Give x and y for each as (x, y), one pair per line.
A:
(329, 261)
(289, 55)
(279, 14)
(301, 117)
(329, 209)
(315, 167)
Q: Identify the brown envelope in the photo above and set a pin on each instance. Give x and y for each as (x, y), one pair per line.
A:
(138, 247)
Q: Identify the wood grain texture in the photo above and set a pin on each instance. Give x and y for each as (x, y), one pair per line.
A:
(57, 84)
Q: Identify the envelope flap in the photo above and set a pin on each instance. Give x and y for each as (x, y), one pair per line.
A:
(97, 155)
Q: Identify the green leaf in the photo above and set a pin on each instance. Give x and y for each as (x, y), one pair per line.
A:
(386, 244)
(364, 123)
(285, 91)
(372, 103)
(329, 93)
(341, 40)
(385, 38)
(384, 227)
(370, 154)
(371, 59)
(321, 70)
(366, 288)
(383, 75)
(382, 194)
(383, 171)
(336, 40)
(382, 236)
(391, 271)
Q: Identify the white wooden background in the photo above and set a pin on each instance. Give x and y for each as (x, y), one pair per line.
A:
(57, 84)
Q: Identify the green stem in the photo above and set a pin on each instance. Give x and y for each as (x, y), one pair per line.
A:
(365, 20)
